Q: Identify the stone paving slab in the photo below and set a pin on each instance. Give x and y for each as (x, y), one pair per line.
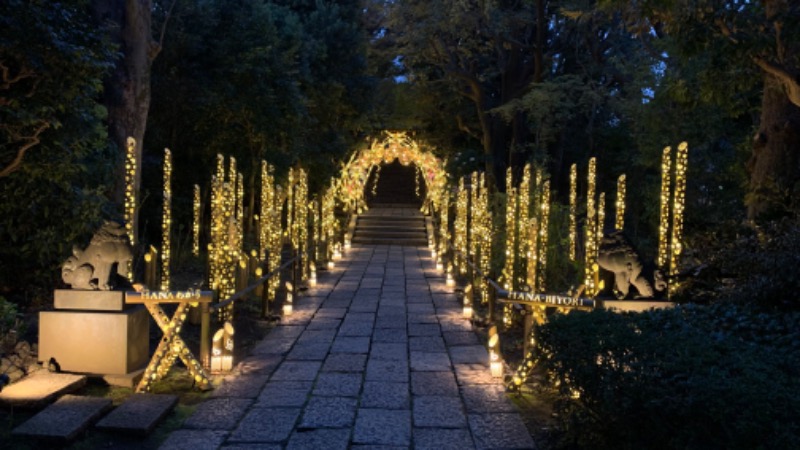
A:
(426, 344)
(438, 411)
(64, 419)
(139, 414)
(242, 386)
(486, 398)
(434, 383)
(334, 384)
(328, 439)
(469, 354)
(351, 344)
(385, 395)
(39, 389)
(390, 335)
(345, 362)
(329, 412)
(492, 431)
(378, 356)
(430, 362)
(297, 371)
(382, 427)
(382, 370)
(266, 425)
(218, 414)
(443, 439)
(194, 440)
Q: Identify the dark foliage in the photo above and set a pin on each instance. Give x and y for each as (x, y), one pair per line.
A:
(721, 376)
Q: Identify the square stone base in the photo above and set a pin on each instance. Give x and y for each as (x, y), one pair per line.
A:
(95, 343)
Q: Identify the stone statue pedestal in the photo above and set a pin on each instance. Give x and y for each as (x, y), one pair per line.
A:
(95, 333)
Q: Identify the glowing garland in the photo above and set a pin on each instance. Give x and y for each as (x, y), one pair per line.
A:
(460, 224)
(129, 213)
(166, 222)
(511, 234)
(224, 248)
(679, 203)
(196, 204)
(573, 212)
(330, 226)
(620, 204)
(591, 231)
(355, 173)
(601, 217)
(663, 227)
(544, 220)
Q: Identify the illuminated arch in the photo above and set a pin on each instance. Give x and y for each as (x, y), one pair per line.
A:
(351, 184)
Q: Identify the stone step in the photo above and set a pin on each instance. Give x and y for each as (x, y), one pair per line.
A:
(139, 414)
(391, 230)
(40, 389)
(398, 242)
(65, 419)
(400, 221)
(390, 234)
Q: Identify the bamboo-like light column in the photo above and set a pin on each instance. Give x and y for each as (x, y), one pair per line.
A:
(166, 222)
(196, 206)
(601, 218)
(619, 224)
(524, 198)
(679, 203)
(573, 212)
(460, 225)
(591, 230)
(129, 213)
(511, 242)
(544, 220)
(663, 227)
(226, 237)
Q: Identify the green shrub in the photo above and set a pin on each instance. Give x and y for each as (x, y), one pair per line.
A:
(692, 377)
(748, 264)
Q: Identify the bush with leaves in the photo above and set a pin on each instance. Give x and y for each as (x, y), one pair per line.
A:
(721, 376)
(55, 163)
(748, 264)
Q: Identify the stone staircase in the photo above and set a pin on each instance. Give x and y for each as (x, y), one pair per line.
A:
(391, 224)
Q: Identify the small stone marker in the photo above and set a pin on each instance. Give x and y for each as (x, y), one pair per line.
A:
(64, 419)
(39, 389)
(139, 414)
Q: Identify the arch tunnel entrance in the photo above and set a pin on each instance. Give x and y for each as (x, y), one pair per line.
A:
(394, 184)
(396, 169)
(388, 185)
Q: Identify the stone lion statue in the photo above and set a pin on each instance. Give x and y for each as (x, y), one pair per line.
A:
(616, 254)
(92, 268)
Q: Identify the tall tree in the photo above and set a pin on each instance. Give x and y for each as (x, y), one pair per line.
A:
(53, 151)
(489, 52)
(127, 90)
(746, 44)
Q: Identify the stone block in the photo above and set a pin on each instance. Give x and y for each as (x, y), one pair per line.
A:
(194, 440)
(103, 343)
(76, 299)
(139, 414)
(329, 412)
(39, 389)
(384, 395)
(64, 419)
(383, 427)
(438, 411)
(499, 431)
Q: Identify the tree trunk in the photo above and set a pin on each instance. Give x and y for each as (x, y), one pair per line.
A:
(774, 166)
(127, 89)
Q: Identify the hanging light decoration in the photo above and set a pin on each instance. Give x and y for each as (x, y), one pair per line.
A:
(591, 231)
(663, 227)
(679, 203)
(620, 204)
(166, 222)
(573, 212)
(196, 204)
(544, 220)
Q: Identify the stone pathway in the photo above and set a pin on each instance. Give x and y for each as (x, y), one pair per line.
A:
(377, 356)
